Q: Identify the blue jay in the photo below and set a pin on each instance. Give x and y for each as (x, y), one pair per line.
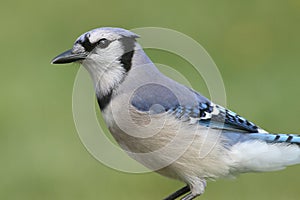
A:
(169, 127)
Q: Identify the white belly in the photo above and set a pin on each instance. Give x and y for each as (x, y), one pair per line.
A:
(161, 143)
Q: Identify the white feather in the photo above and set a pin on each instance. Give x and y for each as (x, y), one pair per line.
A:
(105, 68)
(262, 156)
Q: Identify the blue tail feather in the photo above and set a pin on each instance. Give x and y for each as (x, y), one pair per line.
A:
(235, 137)
(276, 138)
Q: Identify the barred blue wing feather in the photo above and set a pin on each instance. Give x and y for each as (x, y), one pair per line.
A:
(204, 112)
(216, 117)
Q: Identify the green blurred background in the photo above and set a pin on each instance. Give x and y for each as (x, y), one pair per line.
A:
(255, 44)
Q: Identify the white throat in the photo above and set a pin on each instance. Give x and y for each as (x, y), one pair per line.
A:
(106, 76)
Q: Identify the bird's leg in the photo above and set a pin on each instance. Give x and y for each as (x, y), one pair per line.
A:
(190, 196)
(178, 193)
(196, 190)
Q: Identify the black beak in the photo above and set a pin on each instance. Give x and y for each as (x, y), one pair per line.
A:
(67, 57)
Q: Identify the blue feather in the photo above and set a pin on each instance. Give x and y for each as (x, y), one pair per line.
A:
(234, 137)
(147, 97)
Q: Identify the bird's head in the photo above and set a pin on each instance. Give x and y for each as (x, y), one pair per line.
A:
(103, 45)
(105, 52)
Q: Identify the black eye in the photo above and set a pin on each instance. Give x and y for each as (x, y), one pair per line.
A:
(103, 43)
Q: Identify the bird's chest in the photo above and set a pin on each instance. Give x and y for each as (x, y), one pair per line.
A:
(136, 131)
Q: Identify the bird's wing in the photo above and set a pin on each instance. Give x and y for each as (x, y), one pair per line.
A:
(218, 117)
(156, 99)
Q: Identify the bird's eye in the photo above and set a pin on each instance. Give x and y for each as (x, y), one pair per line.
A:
(103, 43)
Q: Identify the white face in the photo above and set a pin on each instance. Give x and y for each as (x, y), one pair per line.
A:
(105, 49)
(101, 47)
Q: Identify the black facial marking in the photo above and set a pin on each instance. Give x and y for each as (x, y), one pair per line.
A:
(126, 58)
(104, 101)
(87, 45)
